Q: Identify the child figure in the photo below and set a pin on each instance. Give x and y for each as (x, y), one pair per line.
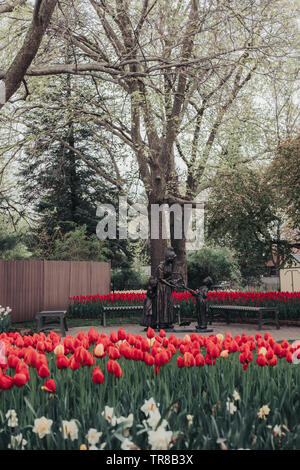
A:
(201, 303)
(149, 311)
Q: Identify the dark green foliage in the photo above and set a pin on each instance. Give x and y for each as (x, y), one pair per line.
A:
(284, 174)
(61, 189)
(241, 215)
(128, 279)
(218, 263)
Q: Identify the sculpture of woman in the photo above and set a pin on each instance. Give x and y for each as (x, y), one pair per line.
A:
(164, 299)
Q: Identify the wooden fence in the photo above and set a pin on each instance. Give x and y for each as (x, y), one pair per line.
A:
(28, 287)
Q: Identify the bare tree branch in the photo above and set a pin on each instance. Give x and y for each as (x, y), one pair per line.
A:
(42, 14)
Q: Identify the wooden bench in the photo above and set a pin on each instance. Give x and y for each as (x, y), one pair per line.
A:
(127, 308)
(259, 310)
(42, 325)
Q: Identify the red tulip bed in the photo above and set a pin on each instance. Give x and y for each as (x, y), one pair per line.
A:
(288, 302)
(149, 392)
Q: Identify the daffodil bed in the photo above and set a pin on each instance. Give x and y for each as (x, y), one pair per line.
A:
(148, 392)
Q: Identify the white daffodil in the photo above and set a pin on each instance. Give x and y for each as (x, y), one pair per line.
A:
(42, 426)
(263, 412)
(277, 431)
(70, 429)
(160, 439)
(236, 396)
(231, 407)
(109, 415)
(11, 415)
(126, 423)
(149, 406)
(190, 419)
(127, 444)
(154, 419)
(17, 442)
(93, 436)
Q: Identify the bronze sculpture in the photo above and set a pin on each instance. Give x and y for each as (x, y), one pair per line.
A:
(158, 310)
(149, 309)
(164, 299)
(201, 302)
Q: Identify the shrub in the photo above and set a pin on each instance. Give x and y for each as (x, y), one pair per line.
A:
(128, 279)
(218, 263)
(5, 320)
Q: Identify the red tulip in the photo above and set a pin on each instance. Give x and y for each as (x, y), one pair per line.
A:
(162, 333)
(188, 360)
(114, 337)
(98, 376)
(40, 346)
(19, 379)
(121, 334)
(273, 361)
(261, 360)
(12, 361)
(113, 353)
(93, 336)
(89, 359)
(117, 371)
(69, 343)
(49, 386)
(150, 333)
(80, 354)
(148, 359)
(31, 356)
(289, 357)
(6, 382)
(73, 364)
(199, 359)
(62, 362)
(180, 361)
(19, 342)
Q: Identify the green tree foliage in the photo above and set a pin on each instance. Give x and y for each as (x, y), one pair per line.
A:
(61, 190)
(7, 242)
(11, 233)
(218, 263)
(241, 214)
(128, 279)
(77, 245)
(284, 173)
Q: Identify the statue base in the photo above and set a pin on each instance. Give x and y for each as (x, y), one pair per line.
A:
(204, 330)
(166, 329)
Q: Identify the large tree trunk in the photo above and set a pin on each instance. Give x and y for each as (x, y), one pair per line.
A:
(178, 241)
(157, 246)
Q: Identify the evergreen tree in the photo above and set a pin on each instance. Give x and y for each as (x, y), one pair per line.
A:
(59, 189)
